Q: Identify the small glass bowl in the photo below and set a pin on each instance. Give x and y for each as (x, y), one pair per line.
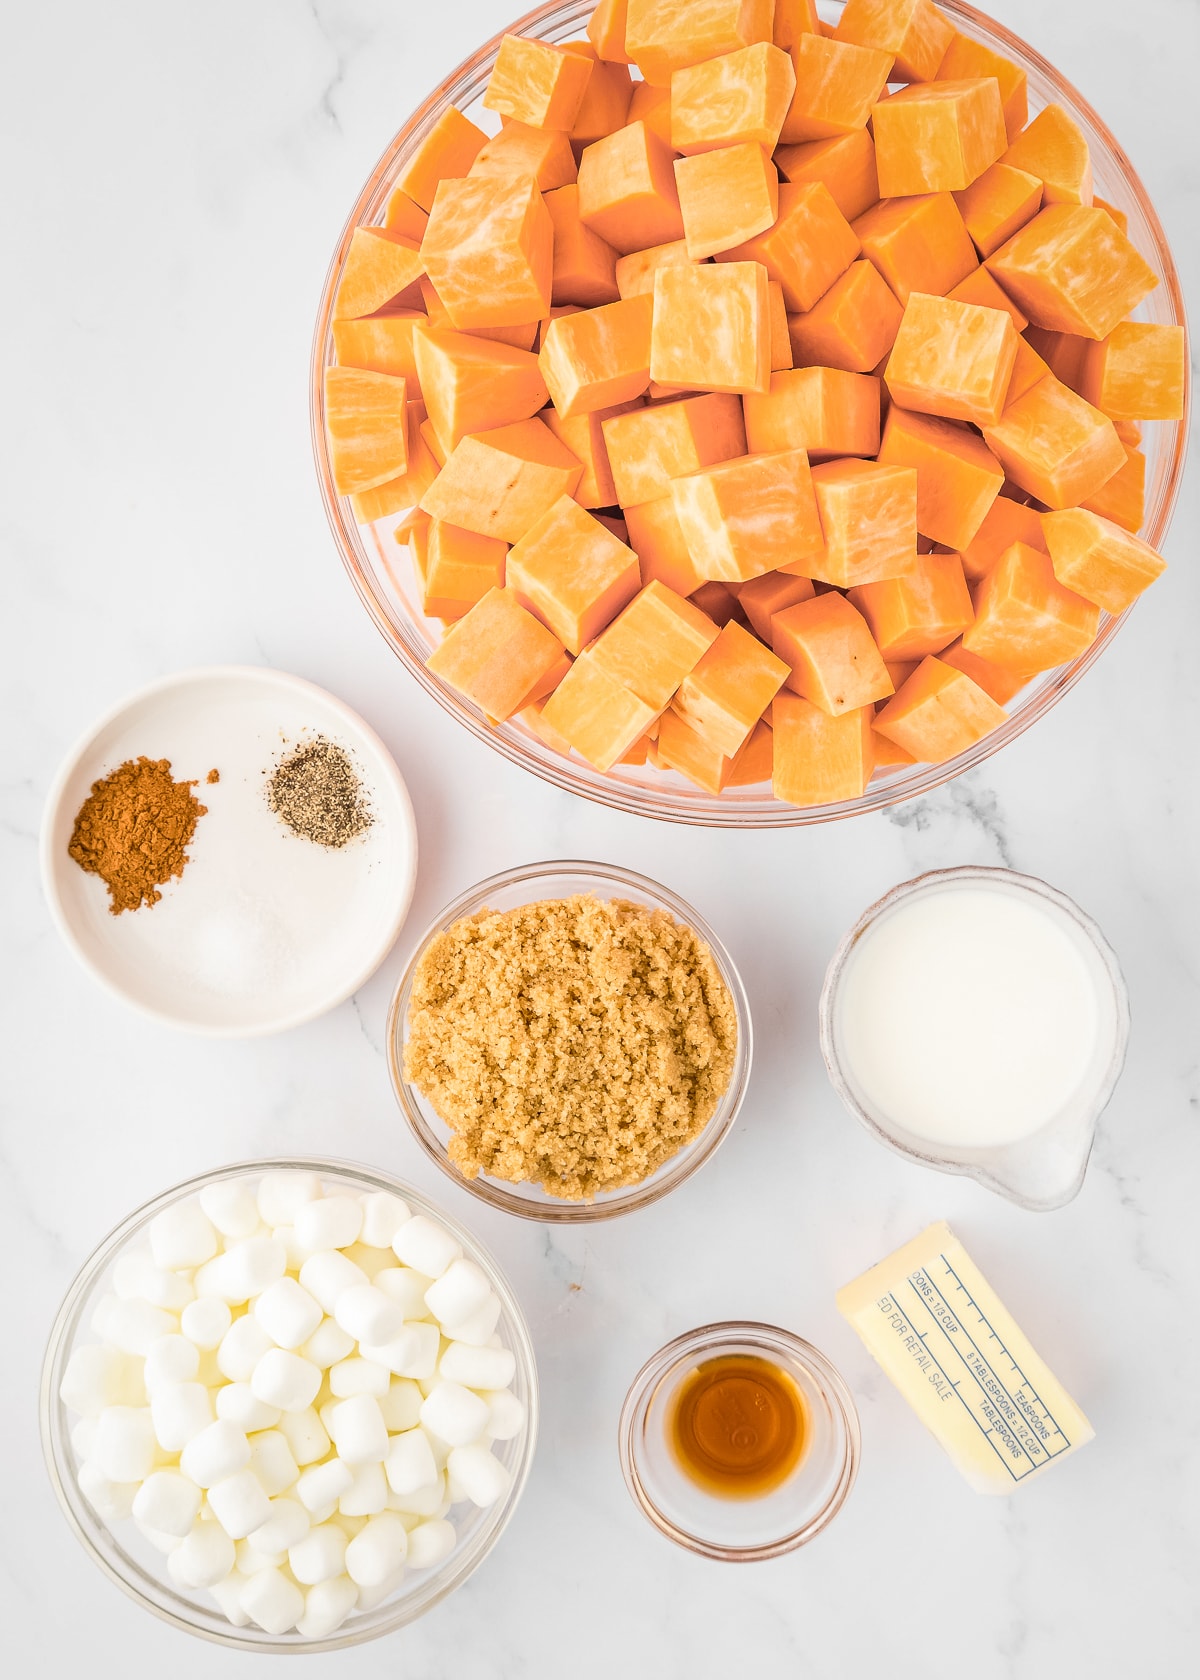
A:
(740, 1530)
(527, 885)
(132, 1563)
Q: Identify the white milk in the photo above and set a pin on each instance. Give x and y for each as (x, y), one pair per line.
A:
(970, 1016)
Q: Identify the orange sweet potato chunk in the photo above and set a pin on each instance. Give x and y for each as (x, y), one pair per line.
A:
(966, 57)
(794, 18)
(918, 244)
(497, 655)
(726, 693)
(920, 613)
(979, 287)
(1004, 523)
(824, 410)
(806, 248)
(937, 136)
(662, 36)
(997, 203)
(1139, 372)
(598, 357)
(436, 448)
(597, 713)
(741, 96)
(1123, 497)
(405, 217)
(657, 538)
(755, 762)
(1025, 618)
(832, 657)
(572, 573)
(606, 31)
(750, 515)
(379, 266)
(367, 425)
(913, 31)
(583, 435)
(819, 759)
(681, 746)
(1002, 682)
(1054, 445)
(518, 149)
(500, 482)
(726, 197)
(537, 83)
(762, 597)
(489, 251)
(958, 477)
(837, 87)
(474, 384)
(380, 343)
(635, 272)
(939, 713)
(711, 327)
(648, 447)
(853, 326)
(458, 569)
(1098, 560)
(654, 643)
(406, 488)
(952, 359)
(585, 266)
(844, 165)
(869, 518)
(445, 154)
(651, 105)
(1053, 148)
(781, 338)
(627, 190)
(1071, 269)
(605, 104)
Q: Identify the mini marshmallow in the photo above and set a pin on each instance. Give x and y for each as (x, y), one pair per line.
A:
(292, 1247)
(205, 1322)
(228, 1597)
(239, 1503)
(459, 1293)
(181, 1237)
(178, 1412)
(324, 1484)
(172, 1359)
(410, 1463)
(429, 1543)
(327, 1344)
(423, 1502)
(320, 1555)
(272, 1601)
(305, 1435)
(230, 1206)
(111, 1500)
(205, 1557)
(287, 1525)
(401, 1405)
(327, 1277)
(506, 1414)
(238, 1403)
(358, 1430)
(285, 1380)
(425, 1246)
(477, 1367)
(378, 1551)
(167, 1501)
(454, 1413)
(326, 1607)
(477, 1330)
(358, 1376)
(367, 1493)
(406, 1288)
(243, 1271)
(287, 1313)
(477, 1475)
(136, 1277)
(282, 1191)
(368, 1315)
(413, 1353)
(333, 1222)
(383, 1215)
(134, 1326)
(96, 1376)
(164, 1543)
(215, 1454)
(124, 1449)
(272, 1460)
(242, 1346)
(250, 1558)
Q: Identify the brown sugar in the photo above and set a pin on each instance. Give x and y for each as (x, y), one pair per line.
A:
(577, 1043)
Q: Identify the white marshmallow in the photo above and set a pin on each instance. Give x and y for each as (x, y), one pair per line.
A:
(326, 1607)
(459, 1293)
(228, 1596)
(358, 1430)
(423, 1502)
(136, 1277)
(305, 1435)
(333, 1222)
(230, 1206)
(172, 1359)
(358, 1376)
(454, 1413)
(167, 1501)
(401, 1405)
(506, 1414)
(429, 1543)
(242, 1346)
(477, 1475)
(272, 1460)
(96, 1376)
(378, 1551)
(292, 1247)
(413, 1353)
(124, 1449)
(425, 1246)
(250, 1558)
(383, 1215)
(181, 1236)
(205, 1557)
(406, 1287)
(164, 1543)
(477, 1367)
(368, 1314)
(205, 1322)
(111, 1500)
(410, 1462)
(134, 1326)
(285, 1380)
(272, 1601)
(215, 1454)
(239, 1503)
(179, 1411)
(477, 1330)
(243, 1271)
(238, 1403)
(287, 1313)
(320, 1556)
(282, 1191)
(323, 1485)
(327, 1277)
(367, 1493)
(287, 1525)
(327, 1344)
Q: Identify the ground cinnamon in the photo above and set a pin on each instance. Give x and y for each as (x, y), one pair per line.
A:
(133, 830)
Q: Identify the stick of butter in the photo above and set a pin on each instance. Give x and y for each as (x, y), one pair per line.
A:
(935, 1325)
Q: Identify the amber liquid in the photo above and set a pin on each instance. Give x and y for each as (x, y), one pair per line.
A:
(738, 1426)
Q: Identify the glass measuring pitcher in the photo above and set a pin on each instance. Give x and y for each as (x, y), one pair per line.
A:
(1043, 1168)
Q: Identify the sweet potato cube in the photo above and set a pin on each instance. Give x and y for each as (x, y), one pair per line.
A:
(913, 31)
(648, 447)
(1028, 369)
(1002, 682)
(794, 18)
(380, 343)
(939, 713)
(379, 266)
(436, 448)
(654, 643)
(583, 435)
(537, 83)
(662, 36)
(1099, 560)
(1025, 618)
(958, 477)
(726, 197)
(869, 517)
(652, 105)
(887, 753)
(500, 482)
(853, 326)
(952, 359)
(1122, 498)
(532, 716)
(832, 655)
(979, 287)
(781, 338)
(680, 746)
(445, 154)
(367, 426)
(712, 327)
(741, 96)
(585, 266)
(819, 759)
(1054, 445)
(837, 87)
(597, 713)
(747, 516)
(407, 488)
(572, 573)
(489, 251)
(460, 568)
(1118, 215)
(405, 217)
(754, 763)
(1004, 523)
(627, 190)
(1071, 269)
(806, 248)
(762, 597)
(920, 613)
(635, 272)
(497, 655)
(1053, 148)
(1138, 372)
(598, 357)
(918, 244)
(844, 165)
(965, 57)
(937, 136)
(824, 410)
(727, 692)
(518, 149)
(657, 538)
(606, 31)
(474, 384)
(605, 103)
(997, 203)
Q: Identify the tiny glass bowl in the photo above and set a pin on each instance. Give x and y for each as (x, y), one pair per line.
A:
(750, 1529)
(128, 1559)
(527, 885)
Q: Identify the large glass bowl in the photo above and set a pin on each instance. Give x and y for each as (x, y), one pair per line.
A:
(381, 570)
(129, 1560)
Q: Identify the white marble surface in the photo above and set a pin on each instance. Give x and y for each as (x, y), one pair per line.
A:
(174, 178)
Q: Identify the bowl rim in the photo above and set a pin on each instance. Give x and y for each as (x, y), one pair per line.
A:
(686, 1161)
(61, 1341)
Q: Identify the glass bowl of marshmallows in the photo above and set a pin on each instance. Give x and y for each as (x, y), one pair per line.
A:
(289, 1405)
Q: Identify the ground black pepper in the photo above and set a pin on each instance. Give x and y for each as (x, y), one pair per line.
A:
(317, 793)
